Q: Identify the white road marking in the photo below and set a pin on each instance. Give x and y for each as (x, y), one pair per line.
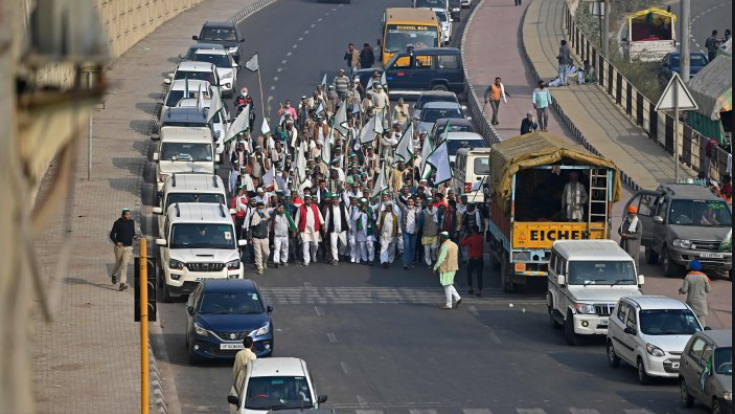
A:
(301, 39)
(275, 79)
(476, 411)
(473, 311)
(318, 311)
(583, 411)
(345, 368)
(637, 412)
(495, 338)
(530, 411)
(332, 338)
(422, 411)
(320, 19)
(273, 88)
(313, 26)
(284, 61)
(364, 403)
(307, 285)
(295, 46)
(368, 412)
(279, 70)
(289, 54)
(306, 32)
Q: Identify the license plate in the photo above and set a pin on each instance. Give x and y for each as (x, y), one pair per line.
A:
(231, 347)
(713, 256)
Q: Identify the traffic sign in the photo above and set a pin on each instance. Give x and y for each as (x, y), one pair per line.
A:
(676, 97)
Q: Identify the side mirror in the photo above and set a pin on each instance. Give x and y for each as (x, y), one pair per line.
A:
(233, 400)
(658, 220)
(242, 40)
(157, 210)
(707, 328)
(161, 242)
(167, 81)
(181, 56)
(195, 38)
(156, 156)
(190, 310)
(270, 309)
(235, 65)
(641, 280)
(242, 243)
(630, 331)
(160, 102)
(561, 280)
(322, 399)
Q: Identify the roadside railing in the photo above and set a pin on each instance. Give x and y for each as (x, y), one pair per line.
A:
(658, 125)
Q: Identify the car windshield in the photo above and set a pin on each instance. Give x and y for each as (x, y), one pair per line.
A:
(430, 4)
(431, 115)
(456, 128)
(176, 151)
(201, 76)
(455, 145)
(669, 322)
(194, 198)
(482, 166)
(602, 273)
(442, 16)
(185, 124)
(175, 97)
(218, 34)
(231, 303)
(696, 60)
(398, 37)
(278, 393)
(701, 213)
(723, 361)
(425, 100)
(221, 61)
(202, 236)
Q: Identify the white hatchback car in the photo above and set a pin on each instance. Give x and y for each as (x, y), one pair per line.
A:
(272, 384)
(650, 333)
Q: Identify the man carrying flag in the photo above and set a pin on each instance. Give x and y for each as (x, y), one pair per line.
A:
(283, 228)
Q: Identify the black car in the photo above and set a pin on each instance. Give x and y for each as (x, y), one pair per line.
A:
(455, 10)
(221, 313)
(412, 72)
(222, 33)
(455, 125)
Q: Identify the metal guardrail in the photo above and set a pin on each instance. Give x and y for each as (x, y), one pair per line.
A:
(658, 125)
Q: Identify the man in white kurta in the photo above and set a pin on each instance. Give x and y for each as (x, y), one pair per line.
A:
(390, 230)
(310, 221)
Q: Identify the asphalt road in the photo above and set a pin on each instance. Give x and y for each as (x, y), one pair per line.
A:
(707, 15)
(373, 338)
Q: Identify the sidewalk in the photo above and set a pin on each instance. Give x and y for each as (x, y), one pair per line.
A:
(594, 118)
(87, 361)
(491, 50)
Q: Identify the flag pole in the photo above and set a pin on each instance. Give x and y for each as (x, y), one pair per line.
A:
(262, 95)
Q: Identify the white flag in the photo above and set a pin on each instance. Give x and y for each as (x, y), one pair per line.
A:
(239, 126)
(384, 80)
(404, 151)
(340, 120)
(370, 84)
(439, 161)
(320, 109)
(425, 153)
(200, 97)
(380, 185)
(253, 64)
(269, 178)
(214, 109)
(324, 82)
(380, 122)
(265, 129)
(367, 135)
(301, 166)
(327, 148)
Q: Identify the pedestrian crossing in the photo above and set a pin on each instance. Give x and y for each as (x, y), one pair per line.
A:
(309, 295)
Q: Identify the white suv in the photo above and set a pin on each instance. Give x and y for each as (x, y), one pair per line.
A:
(586, 279)
(226, 67)
(184, 151)
(199, 242)
(650, 333)
(189, 188)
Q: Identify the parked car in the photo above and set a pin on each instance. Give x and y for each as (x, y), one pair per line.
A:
(189, 188)
(431, 97)
(411, 73)
(650, 333)
(683, 222)
(586, 279)
(455, 10)
(199, 46)
(455, 125)
(446, 25)
(471, 172)
(268, 385)
(226, 68)
(203, 71)
(706, 372)
(220, 314)
(672, 64)
(457, 141)
(224, 33)
(437, 110)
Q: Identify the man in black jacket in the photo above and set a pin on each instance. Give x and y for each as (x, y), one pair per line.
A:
(367, 57)
(123, 235)
(336, 226)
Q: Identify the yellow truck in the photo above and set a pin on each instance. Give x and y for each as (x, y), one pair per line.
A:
(542, 189)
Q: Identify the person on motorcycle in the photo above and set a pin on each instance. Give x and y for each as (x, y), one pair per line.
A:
(242, 101)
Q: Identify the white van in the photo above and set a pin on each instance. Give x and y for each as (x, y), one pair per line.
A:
(189, 188)
(587, 278)
(184, 151)
(199, 242)
(471, 172)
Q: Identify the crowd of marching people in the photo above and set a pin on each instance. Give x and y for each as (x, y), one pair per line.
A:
(343, 178)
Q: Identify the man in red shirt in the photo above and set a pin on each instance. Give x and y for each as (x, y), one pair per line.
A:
(476, 244)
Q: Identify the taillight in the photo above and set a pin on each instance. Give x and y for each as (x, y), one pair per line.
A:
(467, 188)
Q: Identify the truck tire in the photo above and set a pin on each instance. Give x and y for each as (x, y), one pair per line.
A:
(505, 276)
(569, 335)
(652, 257)
(671, 269)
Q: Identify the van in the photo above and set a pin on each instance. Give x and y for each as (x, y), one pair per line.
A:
(199, 242)
(457, 141)
(189, 188)
(587, 278)
(409, 74)
(184, 150)
(471, 172)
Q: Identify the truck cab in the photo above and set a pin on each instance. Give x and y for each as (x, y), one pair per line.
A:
(586, 279)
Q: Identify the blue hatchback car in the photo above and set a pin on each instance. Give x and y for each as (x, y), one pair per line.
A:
(221, 314)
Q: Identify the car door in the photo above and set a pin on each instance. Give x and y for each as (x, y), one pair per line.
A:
(449, 69)
(692, 366)
(661, 229)
(193, 303)
(423, 72)
(616, 328)
(630, 342)
(645, 202)
(399, 75)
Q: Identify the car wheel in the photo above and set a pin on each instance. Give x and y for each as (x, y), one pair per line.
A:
(651, 256)
(643, 376)
(671, 269)
(554, 323)
(686, 398)
(612, 357)
(571, 337)
(716, 407)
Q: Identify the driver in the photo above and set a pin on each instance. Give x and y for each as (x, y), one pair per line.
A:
(709, 218)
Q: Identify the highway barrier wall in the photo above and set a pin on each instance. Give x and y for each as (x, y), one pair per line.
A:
(658, 125)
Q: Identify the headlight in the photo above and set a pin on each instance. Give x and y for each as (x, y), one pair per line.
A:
(265, 330)
(655, 351)
(585, 309)
(175, 265)
(683, 243)
(228, 75)
(200, 331)
(233, 265)
(727, 396)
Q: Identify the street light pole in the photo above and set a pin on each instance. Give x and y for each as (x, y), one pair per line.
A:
(686, 25)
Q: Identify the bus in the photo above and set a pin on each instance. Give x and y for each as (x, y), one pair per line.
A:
(404, 26)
